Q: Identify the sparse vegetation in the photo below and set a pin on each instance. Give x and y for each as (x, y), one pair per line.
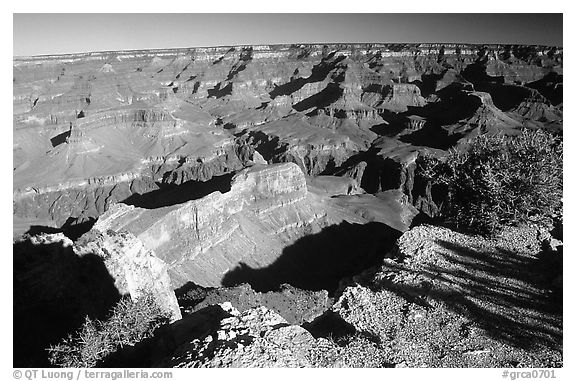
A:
(499, 180)
(353, 350)
(129, 323)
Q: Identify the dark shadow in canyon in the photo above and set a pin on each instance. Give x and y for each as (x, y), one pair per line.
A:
(550, 86)
(54, 290)
(217, 61)
(476, 73)
(73, 228)
(377, 88)
(319, 73)
(39, 229)
(507, 294)
(427, 83)
(173, 194)
(329, 325)
(455, 104)
(60, 138)
(370, 180)
(432, 136)
(505, 97)
(166, 195)
(394, 124)
(324, 98)
(220, 91)
(319, 261)
(380, 174)
(245, 58)
(269, 147)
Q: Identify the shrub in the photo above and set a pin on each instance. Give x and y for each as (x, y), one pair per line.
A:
(129, 323)
(499, 180)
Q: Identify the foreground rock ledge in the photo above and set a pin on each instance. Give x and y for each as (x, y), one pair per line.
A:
(455, 300)
(447, 300)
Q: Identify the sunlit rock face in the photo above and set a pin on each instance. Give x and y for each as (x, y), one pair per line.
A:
(86, 277)
(94, 129)
(267, 209)
(136, 270)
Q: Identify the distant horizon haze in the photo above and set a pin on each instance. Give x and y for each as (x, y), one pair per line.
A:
(97, 32)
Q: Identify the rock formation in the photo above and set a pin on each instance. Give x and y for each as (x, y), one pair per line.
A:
(133, 270)
(257, 337)
(293, 304)
(136, 271)
(258, 193)
(267, 209)
(94, 129)
(423, 307)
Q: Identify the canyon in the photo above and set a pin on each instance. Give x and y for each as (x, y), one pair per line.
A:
(94, 129)
(271, 175)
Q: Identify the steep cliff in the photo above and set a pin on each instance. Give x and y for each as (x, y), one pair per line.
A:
(267, 209)
(97, 128)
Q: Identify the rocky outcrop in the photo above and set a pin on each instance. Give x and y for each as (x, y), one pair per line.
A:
(424, 306)
(221, 336)
(136, 271)
(401, 96)
(58, 284)
(293, 304)
(267, 201)
(255, 338)
(224, 238)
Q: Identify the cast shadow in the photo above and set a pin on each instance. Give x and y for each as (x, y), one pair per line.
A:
(173, 194)
(507, 294)
(319, 261)
(54, 290)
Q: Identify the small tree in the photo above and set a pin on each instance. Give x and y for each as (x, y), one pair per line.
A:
(129, 323)
(499, 180)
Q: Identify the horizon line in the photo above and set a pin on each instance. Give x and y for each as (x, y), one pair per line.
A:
(281, 44)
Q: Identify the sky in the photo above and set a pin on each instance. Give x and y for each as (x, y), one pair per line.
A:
(59, 33)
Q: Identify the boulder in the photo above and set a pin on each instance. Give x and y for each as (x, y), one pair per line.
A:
(255, 338)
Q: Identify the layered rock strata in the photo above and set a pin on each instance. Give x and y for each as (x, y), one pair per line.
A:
(267, 209)
(97, 128)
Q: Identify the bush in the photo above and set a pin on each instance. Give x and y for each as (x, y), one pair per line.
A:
(499, 180)
(130, 322)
